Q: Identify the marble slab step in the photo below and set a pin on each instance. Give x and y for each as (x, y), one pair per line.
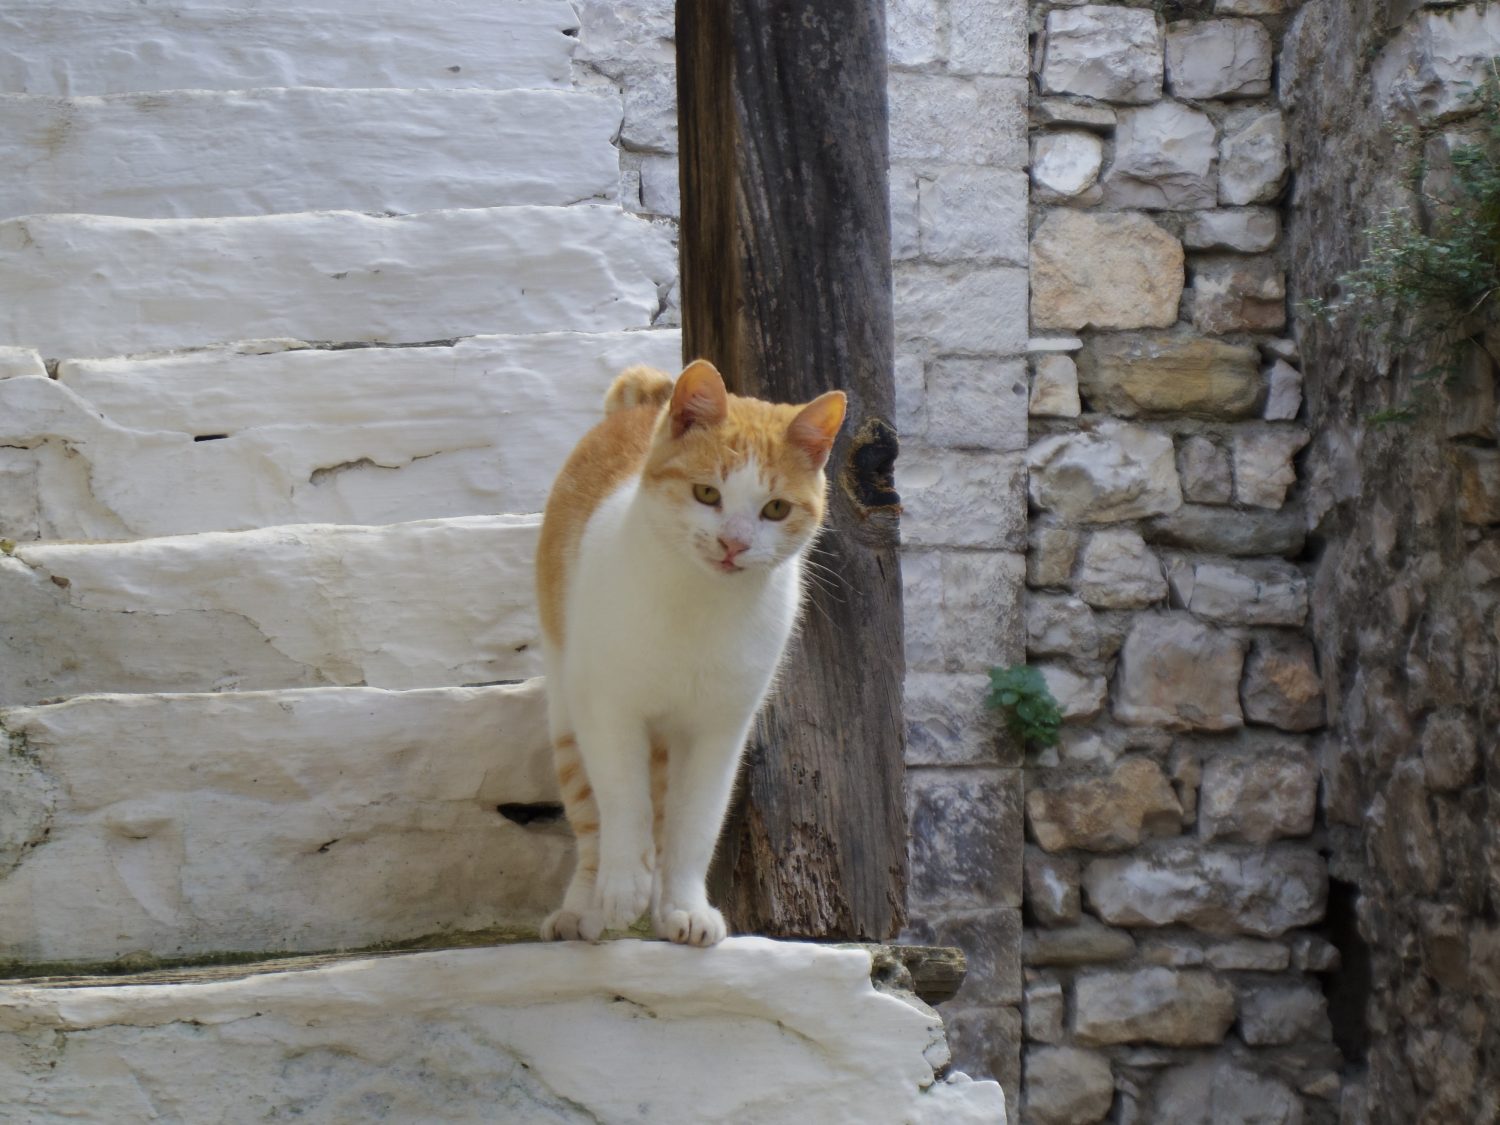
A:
(203, 153)
(434, 603)
(72, 47)
(273, 432)
(87, 285)
(326, 818)
(751, 1032)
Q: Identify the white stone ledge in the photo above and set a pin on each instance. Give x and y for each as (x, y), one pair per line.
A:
(358, 435)
(752, 1032)
(86, 285)
(428, 604)
(272, 821)
(198, 153)
(73, 47)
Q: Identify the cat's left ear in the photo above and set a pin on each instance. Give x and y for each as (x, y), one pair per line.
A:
(698, 398)
(816, 425)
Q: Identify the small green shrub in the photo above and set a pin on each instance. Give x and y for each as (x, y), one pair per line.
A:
(1031, 714)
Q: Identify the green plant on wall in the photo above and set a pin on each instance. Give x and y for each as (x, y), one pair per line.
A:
(1427, 290)
(1022, 696)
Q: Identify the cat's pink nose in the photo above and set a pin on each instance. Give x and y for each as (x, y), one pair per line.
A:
(733, 546)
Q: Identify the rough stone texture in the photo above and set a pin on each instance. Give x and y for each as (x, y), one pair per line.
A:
(1051, 888)
(1130, 375)
(943, 721)
(1105, 814)
(1164, 159)
(1085, 943)
(1223, 531)
(958, 498)
(1113, 472)
(1263, 469)
(1116, 570)
(1219, 59)
(1204, 471)
(974, 861)
(1282, 687)
(1478, 485)
(1216, 1091)
(1250, 593)
(956, 310)
(963, 609)
(1116, 270)
(356, 816)
(1284, 400)
(326, 276)
(308, 435)
(1450, 753)
(1153, 1005)
(973, 213)
(1110, 53)
(977, 403)
(1276, 1014)
(1054, 387)
(428, 604)
(1066, 1086)
(318, 43)
(1259, 796)
(1238, 295)
(1060, 625)
(1079, 696)
(1429, 67)
(953, 119)
(487, 1031)
(1065, 165)
(1248, 230)
(1044, 1008)
(1252, 157)
(190, 153)
(1262, 892)
(1180, 674)
(1050, 555)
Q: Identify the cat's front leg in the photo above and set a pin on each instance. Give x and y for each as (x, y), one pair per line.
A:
(616, 753)
(700, 780)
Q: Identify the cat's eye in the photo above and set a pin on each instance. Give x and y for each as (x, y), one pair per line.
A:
(776, 510)
(705, 494)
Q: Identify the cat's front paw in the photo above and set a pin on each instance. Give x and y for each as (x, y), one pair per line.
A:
(561, 925)
(700, 925)
(622, 897)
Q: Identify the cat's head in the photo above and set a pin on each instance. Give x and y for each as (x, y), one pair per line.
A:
(737, 483)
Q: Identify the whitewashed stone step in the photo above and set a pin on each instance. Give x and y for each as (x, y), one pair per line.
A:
(196, 153)
(271, 821)
(360, 435)
(83, 285)
(429, 604)
(72, 47)
(751, 1032)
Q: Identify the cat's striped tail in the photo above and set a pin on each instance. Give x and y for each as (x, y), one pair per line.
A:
(638, 386)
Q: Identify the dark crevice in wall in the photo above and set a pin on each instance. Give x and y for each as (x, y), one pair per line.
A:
(1348, 987)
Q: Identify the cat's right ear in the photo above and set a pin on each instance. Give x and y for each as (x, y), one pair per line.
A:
(699, 398)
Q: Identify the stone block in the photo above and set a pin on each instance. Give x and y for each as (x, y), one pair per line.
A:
(1104, 814)
(650, 95)
(494, 1033)
(204, 45)
(1066, 1086)
(1079, 697)
(1203, 469)
(990, 940)
(1263, 468)
(1238, 295)
(1147, 374)
(1110, 53)
(1226, 531)
(1260, 592)
(1060, 625)
(968, 310)
(958, 498)
(1153, 1005)
(1246, 230)
(1164, 159)
(1178, 673)
(977, 403)
(1116, 570)
(661, 192)
(1078, 114)
(1051, 888)
(1065, 165)
(1478, 485)
(1282, 687)
(1272, 1015)
(906, 236)
(1450, 752)
(966, 838)
(1215, 1090)
(1050, 555)
(187, 153)
(1219, 59)
(1284, 401)
(1043, 1008)
(1110, 473)
(1086, 943)
(426, 604)
(963, 610)
(948, 723)
(175, 825)
(1401, 834)
(973, 213)
(331, 275)
(987, 38)
(1104, 270)
(1054, 387)
(1249, 956)
(913, 32)
(1259, 796)
(1252, 157)
(1262, 892)
(1428, 67)
(952, 119)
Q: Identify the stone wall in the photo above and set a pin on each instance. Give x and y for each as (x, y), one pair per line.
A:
(1403, 521)
(1174, 883)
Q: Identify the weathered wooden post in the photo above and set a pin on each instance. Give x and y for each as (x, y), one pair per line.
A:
(786, 271)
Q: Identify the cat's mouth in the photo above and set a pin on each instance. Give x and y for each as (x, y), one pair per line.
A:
(727, 565)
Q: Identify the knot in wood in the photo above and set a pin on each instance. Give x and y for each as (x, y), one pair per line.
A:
(869, 475)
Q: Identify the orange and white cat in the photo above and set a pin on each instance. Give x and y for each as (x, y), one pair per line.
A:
(669, 575)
